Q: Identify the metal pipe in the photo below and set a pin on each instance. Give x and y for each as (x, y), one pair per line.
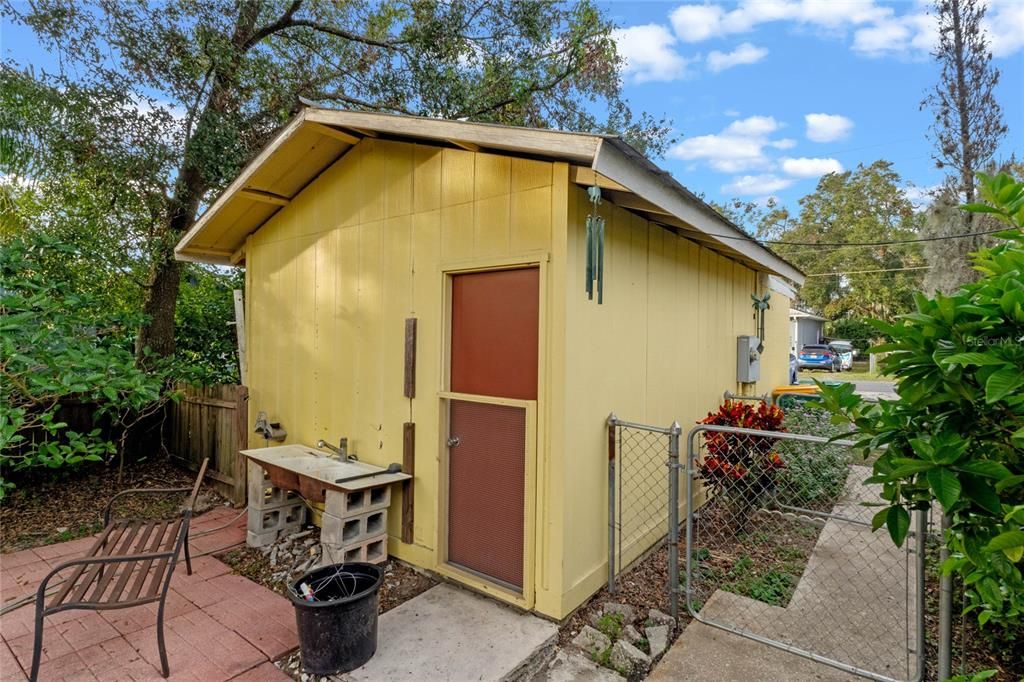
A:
(729, 395)
(945, 666)
(611, 502)
(673, 518)
(922, 541)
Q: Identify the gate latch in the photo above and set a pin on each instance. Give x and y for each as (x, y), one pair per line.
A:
(453, 441)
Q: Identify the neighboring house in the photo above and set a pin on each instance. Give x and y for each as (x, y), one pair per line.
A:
(805, 328)
(350, 223)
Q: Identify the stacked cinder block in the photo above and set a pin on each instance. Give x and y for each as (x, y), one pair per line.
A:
(355, 525)
(272, 510)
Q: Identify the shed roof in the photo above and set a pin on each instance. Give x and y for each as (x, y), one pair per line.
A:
(315, 138)
(797, 314)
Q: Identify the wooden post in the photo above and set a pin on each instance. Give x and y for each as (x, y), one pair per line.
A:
(409, 467)
(410, 357)
(240, 335)
(238, 469)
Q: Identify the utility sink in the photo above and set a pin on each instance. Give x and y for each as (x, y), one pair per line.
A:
(312, 471)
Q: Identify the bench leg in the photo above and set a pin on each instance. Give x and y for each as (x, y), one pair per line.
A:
(37, 642)
(165, 669)
(188, 558)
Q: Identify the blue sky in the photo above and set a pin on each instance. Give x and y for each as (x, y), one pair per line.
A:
(766, 95)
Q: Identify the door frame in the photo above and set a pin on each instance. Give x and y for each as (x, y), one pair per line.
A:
(535, 425)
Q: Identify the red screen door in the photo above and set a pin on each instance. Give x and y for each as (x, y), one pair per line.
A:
(493, 355)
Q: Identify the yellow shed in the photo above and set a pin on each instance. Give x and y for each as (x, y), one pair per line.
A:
(351, 224)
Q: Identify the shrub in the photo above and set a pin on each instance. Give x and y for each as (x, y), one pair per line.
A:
(956, 432)
(55, 345)
(815, 473)
(743, 467)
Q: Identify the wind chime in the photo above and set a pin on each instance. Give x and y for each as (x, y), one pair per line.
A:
(760, 306)
(595, 247)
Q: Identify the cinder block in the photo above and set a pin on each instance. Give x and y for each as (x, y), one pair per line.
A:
(372, 550)
(263, 494)
(354, 529)
(346, 504)
(285, 517)
(260, 539)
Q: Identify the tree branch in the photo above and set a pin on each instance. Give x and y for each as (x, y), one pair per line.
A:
(283, 22)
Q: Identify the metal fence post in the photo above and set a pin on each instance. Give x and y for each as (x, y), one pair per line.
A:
(922, 542)
(611, 503)
(673, 518)
(945, 666)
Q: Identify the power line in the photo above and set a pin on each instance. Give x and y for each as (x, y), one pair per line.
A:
(864, 272)
(886, 243)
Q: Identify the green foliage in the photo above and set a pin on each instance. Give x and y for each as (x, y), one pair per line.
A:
(772, 586)
(867, 204)
(814, 474)
(206, 347)
(57, 345)
(611, 624)
(956, 433)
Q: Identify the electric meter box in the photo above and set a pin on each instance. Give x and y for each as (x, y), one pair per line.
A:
(748, 360)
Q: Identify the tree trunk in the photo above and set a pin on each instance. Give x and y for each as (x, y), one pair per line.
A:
(165, 276)
(161, 302)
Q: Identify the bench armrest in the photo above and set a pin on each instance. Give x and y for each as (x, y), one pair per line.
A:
(138, 491)
(88, 561)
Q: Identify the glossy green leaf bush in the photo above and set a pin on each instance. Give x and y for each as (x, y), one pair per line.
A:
(57, 344)
(956, 433)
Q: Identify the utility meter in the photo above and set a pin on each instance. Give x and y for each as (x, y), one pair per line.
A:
(748, 359)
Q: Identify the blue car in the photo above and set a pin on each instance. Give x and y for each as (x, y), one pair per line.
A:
(819, 356)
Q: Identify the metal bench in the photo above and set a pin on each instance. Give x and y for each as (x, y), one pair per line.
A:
(130, 564)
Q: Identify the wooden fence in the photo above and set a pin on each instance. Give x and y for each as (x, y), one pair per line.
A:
(211, 421)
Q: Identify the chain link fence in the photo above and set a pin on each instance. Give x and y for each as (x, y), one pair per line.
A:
(779, 549)
(639, 491)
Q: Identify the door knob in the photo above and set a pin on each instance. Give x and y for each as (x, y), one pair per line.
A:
(453, 441)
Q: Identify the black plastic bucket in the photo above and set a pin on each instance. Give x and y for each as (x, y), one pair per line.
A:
(338, 630)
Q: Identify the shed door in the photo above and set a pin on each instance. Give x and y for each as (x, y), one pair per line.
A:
(494, 341)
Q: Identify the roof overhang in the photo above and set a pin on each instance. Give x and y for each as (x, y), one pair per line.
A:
(315, 138)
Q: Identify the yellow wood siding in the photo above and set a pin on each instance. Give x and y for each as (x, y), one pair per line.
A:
(662, 347)
(332, 277)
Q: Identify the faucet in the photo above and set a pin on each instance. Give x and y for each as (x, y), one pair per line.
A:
(341, 452)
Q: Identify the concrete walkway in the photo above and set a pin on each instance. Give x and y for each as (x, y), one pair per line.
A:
(850, 605)
(218, 626)
(450, 634)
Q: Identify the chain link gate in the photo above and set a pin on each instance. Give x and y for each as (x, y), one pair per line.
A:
(639, 489)
(779, 549)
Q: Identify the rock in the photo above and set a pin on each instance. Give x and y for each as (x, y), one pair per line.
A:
(299, 535)
(591, 641)
(631, 634)
(657, 638)
(572, 666)
(273, 556)
(629, 660)
(627, 611)
(656, 617)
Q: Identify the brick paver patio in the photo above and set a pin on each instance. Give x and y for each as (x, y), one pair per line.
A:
(218, 626)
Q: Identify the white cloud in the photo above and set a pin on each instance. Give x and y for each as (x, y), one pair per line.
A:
(805, 167)
(649, 53)
(760, 185)
(784, 143)
(906, 29)
(732, 113)
(827, 127)
(695, 23)
(745, 53)
(739, 147)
